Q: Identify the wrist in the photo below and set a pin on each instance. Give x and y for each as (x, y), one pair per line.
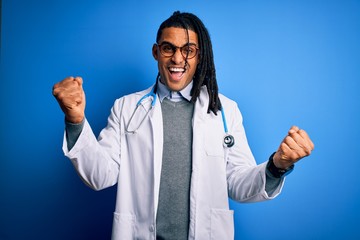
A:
(276, 171)
(74, 120)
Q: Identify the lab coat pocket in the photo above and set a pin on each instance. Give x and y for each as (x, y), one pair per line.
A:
(213, 140)
(123, 226)
(214, 147)
(222, 224)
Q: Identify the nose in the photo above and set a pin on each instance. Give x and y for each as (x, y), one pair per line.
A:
(177, 58)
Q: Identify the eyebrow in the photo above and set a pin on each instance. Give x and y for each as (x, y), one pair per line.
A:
(190, 43)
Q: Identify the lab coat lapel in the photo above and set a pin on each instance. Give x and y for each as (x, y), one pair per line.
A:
(157, 139)
(199, 117)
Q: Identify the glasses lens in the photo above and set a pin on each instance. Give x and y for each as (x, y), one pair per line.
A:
(167, 50)
(189, 51)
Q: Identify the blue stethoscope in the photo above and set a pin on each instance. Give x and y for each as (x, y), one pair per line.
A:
(229, 140)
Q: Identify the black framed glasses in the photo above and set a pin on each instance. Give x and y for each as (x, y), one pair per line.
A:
(188, 51)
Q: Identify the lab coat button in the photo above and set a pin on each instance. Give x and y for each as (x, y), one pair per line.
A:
(152, 228)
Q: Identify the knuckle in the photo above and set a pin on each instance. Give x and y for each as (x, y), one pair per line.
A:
(312, 146)
(56, 85)
(308, 150)
(54, 92)
(301, 131)
(60, 95)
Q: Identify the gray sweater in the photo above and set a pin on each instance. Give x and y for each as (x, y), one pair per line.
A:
(172, 220)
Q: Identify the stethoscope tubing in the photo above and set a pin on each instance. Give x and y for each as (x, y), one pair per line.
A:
(229, 140)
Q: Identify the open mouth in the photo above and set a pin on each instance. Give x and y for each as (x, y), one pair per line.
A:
(176, 72)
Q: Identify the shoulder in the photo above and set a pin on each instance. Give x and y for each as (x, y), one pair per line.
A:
(230, 108)
(227, 102)
(130, 99)
(134, 96)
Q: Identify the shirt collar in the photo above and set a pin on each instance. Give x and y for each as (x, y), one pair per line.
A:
(164, 92)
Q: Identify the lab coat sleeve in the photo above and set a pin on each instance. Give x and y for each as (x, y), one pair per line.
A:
(97, 161)
(246, 179)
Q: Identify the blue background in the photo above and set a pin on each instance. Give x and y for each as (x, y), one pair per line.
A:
(283, 62)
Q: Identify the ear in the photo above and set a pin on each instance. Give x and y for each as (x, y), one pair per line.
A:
(198, 59)
(155, 52)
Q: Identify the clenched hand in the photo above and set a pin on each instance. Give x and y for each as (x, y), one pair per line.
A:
(71, 97)
(295, 146)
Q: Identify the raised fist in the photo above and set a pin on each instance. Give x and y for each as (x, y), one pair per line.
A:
(295, 146)
(71, 97)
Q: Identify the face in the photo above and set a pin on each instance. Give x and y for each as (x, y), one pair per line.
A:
(173, 71)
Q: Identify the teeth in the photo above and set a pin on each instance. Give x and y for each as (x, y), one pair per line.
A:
(177, 69)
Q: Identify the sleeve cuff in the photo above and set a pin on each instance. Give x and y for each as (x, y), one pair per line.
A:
(275, 172)
(73, 131)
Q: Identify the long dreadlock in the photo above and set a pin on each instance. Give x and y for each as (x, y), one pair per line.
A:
(205, 72)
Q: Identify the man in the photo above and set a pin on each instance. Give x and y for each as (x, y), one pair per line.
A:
(165, 146)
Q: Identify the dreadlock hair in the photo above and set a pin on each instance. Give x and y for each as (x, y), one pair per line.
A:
(205, 71)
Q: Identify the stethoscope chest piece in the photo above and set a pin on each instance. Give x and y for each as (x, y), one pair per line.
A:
(229, 141)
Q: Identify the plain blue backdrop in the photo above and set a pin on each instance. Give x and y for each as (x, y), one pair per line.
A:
(284, 62)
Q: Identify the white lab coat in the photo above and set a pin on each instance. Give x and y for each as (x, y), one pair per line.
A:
(133, 161)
